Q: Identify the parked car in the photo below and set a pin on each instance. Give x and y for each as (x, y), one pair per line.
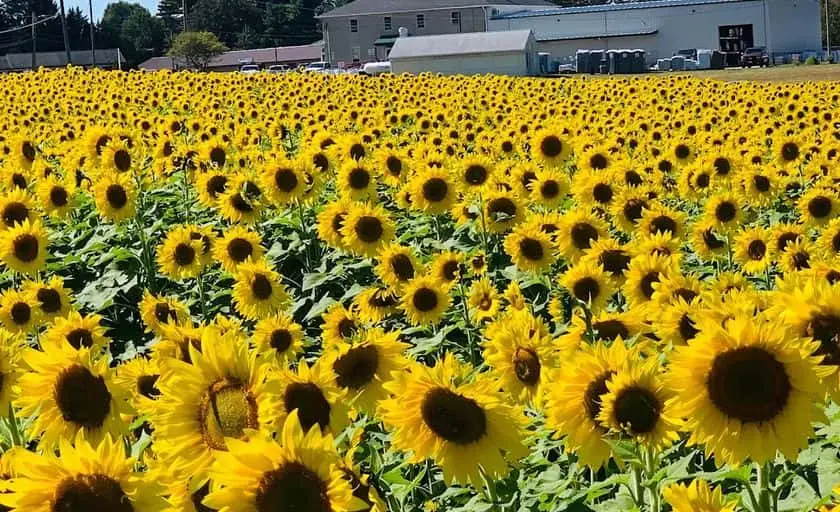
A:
(689, 53)
(318, 67)
(755, 57)
(278, 68)
(376, 68)
(249, 69)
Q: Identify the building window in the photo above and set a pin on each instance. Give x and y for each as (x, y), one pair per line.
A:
(387, 23)
(421, 21)
(456, 18)
(354, 25)
(356, 53)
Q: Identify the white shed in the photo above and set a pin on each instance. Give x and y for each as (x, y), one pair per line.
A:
(511, 52)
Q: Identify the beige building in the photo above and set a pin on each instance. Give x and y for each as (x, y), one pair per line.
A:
(365, 30)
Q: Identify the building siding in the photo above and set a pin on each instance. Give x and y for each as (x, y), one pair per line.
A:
(792, 26)
(344, 45)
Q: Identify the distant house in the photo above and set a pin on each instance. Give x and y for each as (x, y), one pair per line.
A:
(505, 53)
(231, 61)
(365, 30)
(110, 58)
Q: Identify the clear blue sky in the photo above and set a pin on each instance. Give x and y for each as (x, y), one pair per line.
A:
(99, 5)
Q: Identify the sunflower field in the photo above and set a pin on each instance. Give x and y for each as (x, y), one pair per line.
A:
(309, 293)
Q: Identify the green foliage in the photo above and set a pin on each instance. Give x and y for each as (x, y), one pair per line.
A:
(196, 48)
(133, 29)
(811, 61)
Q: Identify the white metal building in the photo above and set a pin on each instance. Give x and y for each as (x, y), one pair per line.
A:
(663, 27)
(506, 53)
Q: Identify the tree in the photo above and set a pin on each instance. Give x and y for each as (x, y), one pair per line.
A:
(196, 48)
(78, 29)
(133, 29)
(833, 21)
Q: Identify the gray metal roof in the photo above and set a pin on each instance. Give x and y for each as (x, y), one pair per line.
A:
(609, 35)
(17, 61)
(364, 7)
(651, 4)
(280, 55)
(460, 44)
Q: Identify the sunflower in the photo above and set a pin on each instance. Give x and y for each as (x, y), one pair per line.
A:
(683, 152)
(362, 368)
(447, 267)
(185, 493)
(574, 401)
(278, 339)
(15, 208)
(514, 298)
(746, 389)
(520, 353)
(788, 151)
(180, 255)
(77, 331)
(11, 348)
(659, 243)
(828, 242)
(603, 326)
(301, 472)
(116, 156)
(798, 255)
(139, 376)
(677, 322)
(594, 189)
(211, 185)
(550, 146)
(397, 265)
(394, 166)
(596, 158)
(374, 304)
(636, 405)
(707, 243)
(588, 283)
(530, 249)
(350, 147)
(340, 325)
(643, 272)
(424, 300)
(243, 200)
(483, 300)
(236, 246)
(675, 285)
(698, 496)
(760, 185)
(360, 484)
(578, 231)
(283, 181)
(818, 206)
(19, 312)
(87, 476)
(611, 256)
(114, 195)
(432, 190)
(502, 211)
(55, 196)
(23, 248)
(155, 312)
(725, 211)
(53, 298)
(221, 395)
(176, 340)
(366, 229)
(312, 392)
(628, 207)
(461, 424)
(753, 250)
(355, 181)
(258, 291)
(71, 394)
(658, 219)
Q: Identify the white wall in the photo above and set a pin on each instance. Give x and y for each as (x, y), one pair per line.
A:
(500, 63)
(793, 26)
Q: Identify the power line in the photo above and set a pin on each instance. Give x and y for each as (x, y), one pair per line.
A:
(30, 25)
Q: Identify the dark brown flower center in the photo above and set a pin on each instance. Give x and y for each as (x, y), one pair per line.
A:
(435, 190)
(425, 300)
(21, 313)
(239, 249)
(757, 249)
(583, 234)
(394, 166)
(801, 260)
(357, 151)
(286, 180)
(240, 204)
(79, 338)
(549, 189)
(725, 211)
(687, 328)
(603, 193)
(81, 397)
(146, 386)
(614, 261)
(785, 239)
(312, 406)
(663, 224)
(116, 196)
(359, 179)
(292, 487)
(526, 365)
(58, 196)
(280, 340)
(551, 146)
(598, 161)
(712, 241)
(825, 328)
(15, 213)
(402, 267)
(748, 384)
(790, 151)
(501, 209)
(637, 410)
(586, 289)
(184, 254)
(476, 175)
(25, 248)
(90, 493)
(49, 299)
(216, 185)
(633, 209)
(702, 180)
(28, 151)
(762, 183)
(531, 249)
(453, 417)
(218, 156)
(356, 368)
(226, 410)
(122, 160)
(261, 287)
(611, 329)
(593, 394)
(820, 207)
(450, 270)
(369, 229)
(646, 284)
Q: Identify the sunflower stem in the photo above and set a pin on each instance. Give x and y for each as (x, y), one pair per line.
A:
(467, 323)
(484, 230)
(764, 491)
(303, 237)
(202, 297)
(13, 427)
(637, 491)
(186, 186)
(651, 460)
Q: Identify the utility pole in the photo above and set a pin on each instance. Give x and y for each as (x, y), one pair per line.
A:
(34, 39)
(92, 28)
(64, 34)
(184, 8)
(827, 29)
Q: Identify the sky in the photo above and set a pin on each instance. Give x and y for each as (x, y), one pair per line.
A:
(99, 5)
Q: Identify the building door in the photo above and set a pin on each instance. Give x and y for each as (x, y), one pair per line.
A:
(735, 38)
